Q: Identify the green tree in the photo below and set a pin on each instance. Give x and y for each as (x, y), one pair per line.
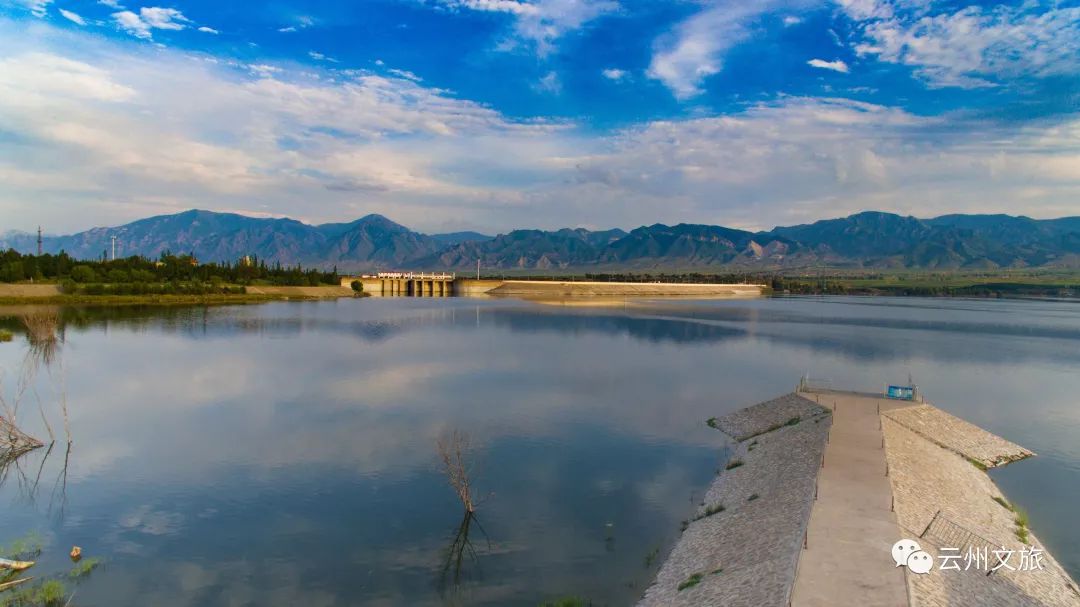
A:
(83, 273)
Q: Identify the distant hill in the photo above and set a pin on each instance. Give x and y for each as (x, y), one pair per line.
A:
(453, 238)
(864, 240)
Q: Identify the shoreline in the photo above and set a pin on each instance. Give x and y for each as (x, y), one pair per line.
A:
(47, 294)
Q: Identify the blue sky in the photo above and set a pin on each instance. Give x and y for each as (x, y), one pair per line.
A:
(495, 114)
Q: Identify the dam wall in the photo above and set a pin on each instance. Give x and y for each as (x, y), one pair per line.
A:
(419, 285)
(551, 288)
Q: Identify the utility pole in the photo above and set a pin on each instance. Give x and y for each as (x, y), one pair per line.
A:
(39, 241)
(114, 248)
(477, 269)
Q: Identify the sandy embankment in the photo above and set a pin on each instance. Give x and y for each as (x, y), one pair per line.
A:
(540, 288)
(328, 292)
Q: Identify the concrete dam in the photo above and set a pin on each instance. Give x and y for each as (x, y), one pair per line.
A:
(434, 284)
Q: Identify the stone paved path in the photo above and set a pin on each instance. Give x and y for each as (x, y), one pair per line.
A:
(852, 528)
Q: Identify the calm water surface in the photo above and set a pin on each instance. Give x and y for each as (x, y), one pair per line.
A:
(285, 454)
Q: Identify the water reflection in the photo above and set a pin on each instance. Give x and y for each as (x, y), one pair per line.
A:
(283, 453)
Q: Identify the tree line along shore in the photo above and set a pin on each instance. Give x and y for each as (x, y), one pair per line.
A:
(180, 278)
(169, 279)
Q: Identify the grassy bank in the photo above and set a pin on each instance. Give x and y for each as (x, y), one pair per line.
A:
(119, 300)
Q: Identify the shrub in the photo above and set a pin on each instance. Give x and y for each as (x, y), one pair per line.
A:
(117, 275)
(83, 274)
(6, 335)
(357, 286)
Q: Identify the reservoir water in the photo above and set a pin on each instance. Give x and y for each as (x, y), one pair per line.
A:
(285, 454)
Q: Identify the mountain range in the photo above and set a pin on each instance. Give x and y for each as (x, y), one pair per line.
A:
(865, 240)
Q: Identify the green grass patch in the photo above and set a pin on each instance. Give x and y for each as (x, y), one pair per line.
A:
(1021, 521)
(712, 423)
(691, 581)
(48, 593)
(6, 336)
(711, 510)
(1022, 535)
(793, 421)
(84, 568)
(1004, 504)
(1021, 517)
(976, 463)
(735, 463)
(25, 548)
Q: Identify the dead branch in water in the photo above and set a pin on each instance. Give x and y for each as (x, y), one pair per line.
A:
(15, 442)
(455, 450)
(42, 332)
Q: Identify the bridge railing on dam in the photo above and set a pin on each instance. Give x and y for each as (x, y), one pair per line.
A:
(415, 284)
(414, 275)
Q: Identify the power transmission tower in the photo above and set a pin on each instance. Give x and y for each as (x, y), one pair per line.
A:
(39, 241)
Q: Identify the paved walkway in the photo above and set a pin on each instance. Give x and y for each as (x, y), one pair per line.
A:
(852, 528)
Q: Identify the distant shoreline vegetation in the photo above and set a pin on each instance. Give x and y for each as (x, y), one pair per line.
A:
(183, 277)
(168, 275)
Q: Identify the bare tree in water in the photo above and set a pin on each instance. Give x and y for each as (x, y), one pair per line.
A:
(456, 453)
(455, 450)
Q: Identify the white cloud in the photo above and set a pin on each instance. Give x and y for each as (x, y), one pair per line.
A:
(221, 135)
(321, 57)
(302, 22)
(686, 56)
(972, 47)
(37, 8)
(141, 25)
(543, 22)
(836, 66)
(73, 17)
(549, 83)
(208, 30)
(790, 20)
(498, 6)
(197, 133)
(164, 18)
(799, 160)
(133, 24)
(406, 74)
(614, 74)
(111, 4)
